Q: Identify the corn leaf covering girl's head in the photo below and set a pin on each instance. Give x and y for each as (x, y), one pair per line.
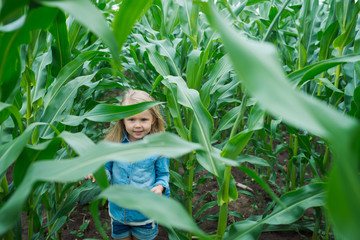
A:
(117, 133)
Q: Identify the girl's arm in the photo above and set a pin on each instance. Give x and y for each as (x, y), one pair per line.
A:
(161, 175)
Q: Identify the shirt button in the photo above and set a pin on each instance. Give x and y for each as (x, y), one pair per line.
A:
(127, 176)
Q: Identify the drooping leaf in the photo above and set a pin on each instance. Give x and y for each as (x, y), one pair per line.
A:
(75, 169)
(88, 15)
(108, 113)
(166, 211)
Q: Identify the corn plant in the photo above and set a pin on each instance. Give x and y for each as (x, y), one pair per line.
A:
(228, 94)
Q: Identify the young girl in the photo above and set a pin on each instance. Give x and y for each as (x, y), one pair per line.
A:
(152, 173)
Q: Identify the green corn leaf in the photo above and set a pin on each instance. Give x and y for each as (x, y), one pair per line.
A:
(62, 103)
(77, 141)
(71, 170)
(304, 112)
(221, 68)
(193, 65)
(357, 51)
(326, 40)
(174, 107)
(30, 154)
(10, 151)
(89, 16)
(13, 26)
(167, 49)
(256, 118)
(71, 70)
(10, 7)
(202, 123)
(236, 144)
(251, 159)
(109, 112)
(6, 109)
(10, 62)
(157, 61)
(310, 71)
(166, 211)
(296, 202)
(129, 12)
(39, 67)
(61, 50)
(226, 121)
(178, 180)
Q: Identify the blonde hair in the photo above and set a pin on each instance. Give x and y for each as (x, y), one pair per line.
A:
(117, 133)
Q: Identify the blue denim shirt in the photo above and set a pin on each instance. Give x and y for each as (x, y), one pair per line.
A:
(146, 174)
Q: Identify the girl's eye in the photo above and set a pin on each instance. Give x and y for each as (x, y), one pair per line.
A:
(131, 119)
(144, 119)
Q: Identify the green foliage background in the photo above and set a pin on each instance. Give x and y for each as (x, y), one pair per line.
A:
(232, 77)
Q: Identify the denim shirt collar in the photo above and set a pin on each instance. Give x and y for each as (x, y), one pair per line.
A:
(125, 138)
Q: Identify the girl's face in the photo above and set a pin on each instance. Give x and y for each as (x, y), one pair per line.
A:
(139, 125)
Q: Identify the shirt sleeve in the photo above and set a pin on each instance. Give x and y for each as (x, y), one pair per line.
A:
(108, 170)
(162, 172)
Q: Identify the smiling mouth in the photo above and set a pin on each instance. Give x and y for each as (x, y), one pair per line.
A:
(138, 132)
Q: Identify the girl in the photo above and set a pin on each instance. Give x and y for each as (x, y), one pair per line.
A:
(151, 173)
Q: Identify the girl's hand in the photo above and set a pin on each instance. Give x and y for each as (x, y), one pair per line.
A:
(90, 176)
(158, 189)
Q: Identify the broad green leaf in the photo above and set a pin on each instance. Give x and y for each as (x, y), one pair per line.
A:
(188, 14)
(296, 202)
(66, 73)
(10, 7)
(32, 153)
(166, 211)
(326, 39)
(157, 61)
(9, 152)
(62, 103)
(236, 144)
(253, 2)
(89, 16)
(357, 51)
(328, 84)
(226, 121)
(10, 62)
(71, 170)
(202, 125)
(251, 159)
(256, 118)
(167, 49)
(295, 107)
(310, 71)
(39, 67)
(109, 112)
(192, 69)
(221, 68)
(9, 65)
(77, 141)
(129, 12)
(6, 109)
(13, 26)
(174, 108)
(355, 104)
(61, 49)
(302, 111)
(178, 180)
